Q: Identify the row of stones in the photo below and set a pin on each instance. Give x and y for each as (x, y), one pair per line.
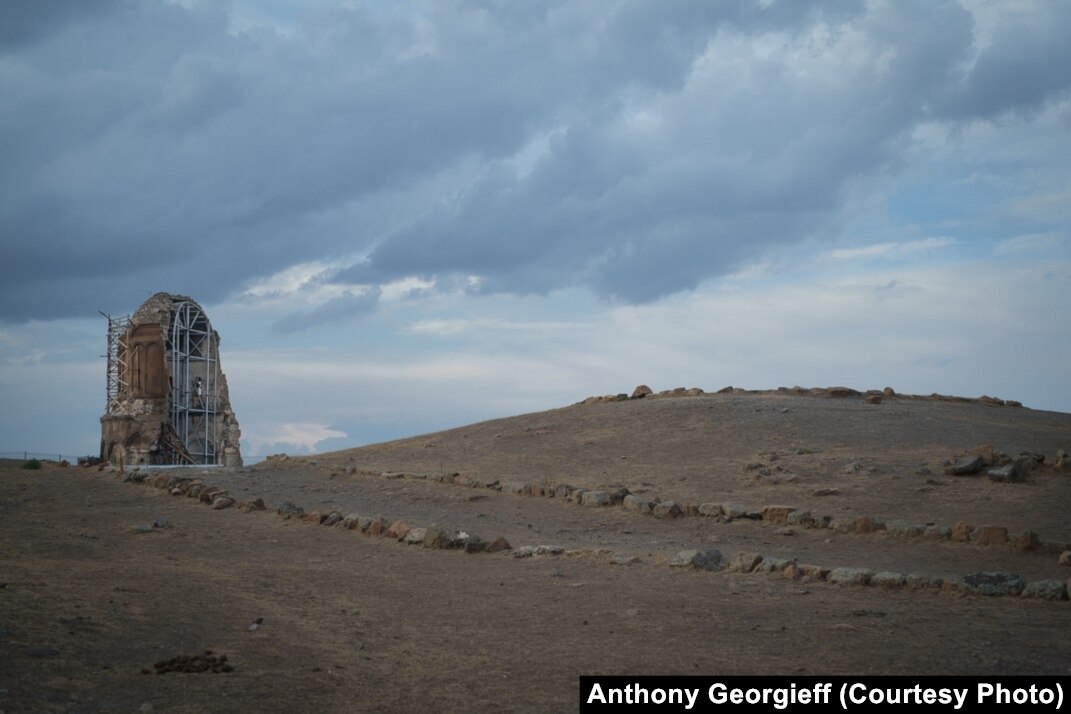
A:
(872, 396)
(981, 583)
(709, 560)
(961, 532)
(429, 537)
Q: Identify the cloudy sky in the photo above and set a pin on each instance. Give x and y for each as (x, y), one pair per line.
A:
(404, 216)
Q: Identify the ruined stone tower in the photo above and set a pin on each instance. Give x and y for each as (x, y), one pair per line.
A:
(168, 401)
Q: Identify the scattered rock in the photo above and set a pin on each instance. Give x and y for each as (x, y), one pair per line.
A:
(333, 519)
(624, 560)
(889, 392)
(350, 522)
(701, 560)
(256, 505)
(850, 576)
(825, 492)
(791, 571)
(141, 528)
(221, 502)
(641, 391)
(966, 466)
(1065, 558)
(873, 399)
(771, 565)
(993, 584)
(989, 535)
(376, 527)
(800, 518)
(1046, 590)
(512, 487)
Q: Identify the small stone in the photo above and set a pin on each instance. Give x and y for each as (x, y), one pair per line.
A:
(634, 503)
(900, 529)
(498, 544)
(744, 562)
(333, 519)
(1007, 473)
(288, 509)
(989, 535)
(221, 502)
(141, 528)
(786, 531)
(641, 391)
(732, 510)
(873, 399)
(771, 565)
(398, 530)
(712, 510)
(1046, 590)
(993, 584)
(512, 487)
(595, 499)
(826, 492)
(350, 522)
(415, 536)
(791, 571)
(256, 505)
(377, 527)
(889, 392)
(915, 581)
(966, 466)
(887, 579)
(1065, 558)
(776, 515)
(801, 518)
(850, 576)
(666, 509)
(866, 524)
(146, 708)
(475, 545)
(961, 532)
(937, 533)
(1025, 540)
(708, 560)
(624, 560)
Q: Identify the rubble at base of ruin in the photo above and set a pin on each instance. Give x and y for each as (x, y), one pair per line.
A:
(168, 401)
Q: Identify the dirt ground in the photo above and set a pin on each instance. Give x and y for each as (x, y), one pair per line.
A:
(92, 596)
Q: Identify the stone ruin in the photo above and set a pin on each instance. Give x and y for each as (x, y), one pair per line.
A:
(168, 402)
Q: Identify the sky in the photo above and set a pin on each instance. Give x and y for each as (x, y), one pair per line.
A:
(408, 216)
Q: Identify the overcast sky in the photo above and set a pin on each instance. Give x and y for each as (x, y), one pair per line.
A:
(403, 216)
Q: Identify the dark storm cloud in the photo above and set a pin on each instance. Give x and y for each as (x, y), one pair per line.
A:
(153, 146)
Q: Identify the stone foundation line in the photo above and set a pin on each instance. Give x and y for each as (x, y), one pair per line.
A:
(727, 512)
(711, 560)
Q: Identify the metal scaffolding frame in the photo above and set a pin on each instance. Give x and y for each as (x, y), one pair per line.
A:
(194, 381)
(117, 356)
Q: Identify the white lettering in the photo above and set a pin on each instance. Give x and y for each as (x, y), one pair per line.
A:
(596, 694)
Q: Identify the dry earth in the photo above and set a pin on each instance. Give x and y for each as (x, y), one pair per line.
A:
(92, 596)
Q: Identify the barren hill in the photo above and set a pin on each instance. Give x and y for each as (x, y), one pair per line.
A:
(487, 568)
(886, 460)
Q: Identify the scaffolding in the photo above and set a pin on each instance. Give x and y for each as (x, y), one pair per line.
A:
(195, 381)
(116, 356)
